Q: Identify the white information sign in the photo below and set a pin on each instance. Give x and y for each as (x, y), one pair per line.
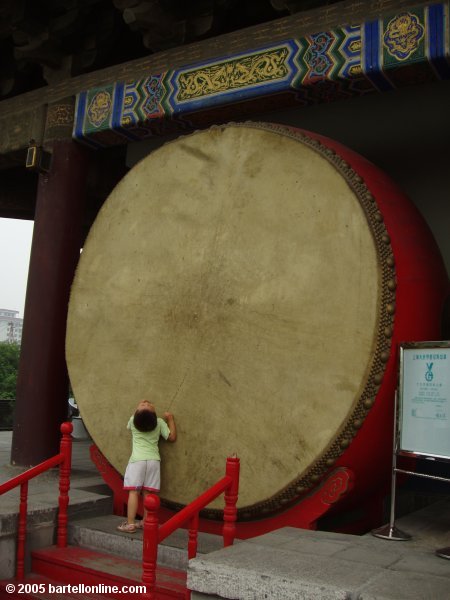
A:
(424, 399)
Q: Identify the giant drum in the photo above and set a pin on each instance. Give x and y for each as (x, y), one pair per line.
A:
(254, 280)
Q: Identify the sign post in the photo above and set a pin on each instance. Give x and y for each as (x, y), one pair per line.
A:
(390, 531)
(421, 417)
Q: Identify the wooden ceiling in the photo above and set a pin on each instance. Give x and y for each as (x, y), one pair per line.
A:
(45, 41)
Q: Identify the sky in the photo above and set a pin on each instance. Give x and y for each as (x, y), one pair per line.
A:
(15, 246)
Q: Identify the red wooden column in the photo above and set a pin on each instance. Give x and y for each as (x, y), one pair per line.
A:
(42, 385)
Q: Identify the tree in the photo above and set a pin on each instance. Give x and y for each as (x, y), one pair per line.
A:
(9, 366)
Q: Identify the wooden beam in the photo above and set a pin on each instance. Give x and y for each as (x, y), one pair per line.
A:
(24, 115)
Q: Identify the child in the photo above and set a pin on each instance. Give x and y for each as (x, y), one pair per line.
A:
(143, 469)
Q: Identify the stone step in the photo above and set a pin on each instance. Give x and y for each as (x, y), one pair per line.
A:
(42, 518)
(100, 533)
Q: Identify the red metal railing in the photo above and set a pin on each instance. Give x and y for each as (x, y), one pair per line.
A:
(155, 533)
(64, 459)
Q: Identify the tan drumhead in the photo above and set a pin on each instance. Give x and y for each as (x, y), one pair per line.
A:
(231, 278)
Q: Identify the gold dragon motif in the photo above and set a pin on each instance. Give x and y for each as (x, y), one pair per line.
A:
(403, 35)
(99, 108)
(234, 74)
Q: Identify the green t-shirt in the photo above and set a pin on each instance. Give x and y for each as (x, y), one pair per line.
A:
(145, 444)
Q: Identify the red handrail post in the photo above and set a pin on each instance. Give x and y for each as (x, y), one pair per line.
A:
(193, 536)
(150, 545)
(22, 531)
(64, 483)
(231, 496)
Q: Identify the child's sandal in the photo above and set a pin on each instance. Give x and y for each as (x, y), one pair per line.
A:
(126, 527)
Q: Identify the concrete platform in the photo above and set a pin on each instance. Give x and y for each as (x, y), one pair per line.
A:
(293, 564)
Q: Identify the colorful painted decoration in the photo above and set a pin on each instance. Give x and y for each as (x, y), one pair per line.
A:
(401, 49)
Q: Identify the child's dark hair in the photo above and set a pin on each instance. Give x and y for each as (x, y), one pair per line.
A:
(144, 420)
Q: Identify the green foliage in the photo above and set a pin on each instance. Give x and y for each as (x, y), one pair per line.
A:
(9, 365)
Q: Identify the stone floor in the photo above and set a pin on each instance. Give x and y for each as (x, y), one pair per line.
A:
(293, 564)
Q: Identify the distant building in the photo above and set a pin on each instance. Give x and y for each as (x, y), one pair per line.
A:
(10, 326)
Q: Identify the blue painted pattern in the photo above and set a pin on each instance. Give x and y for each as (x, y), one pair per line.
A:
(380, 55)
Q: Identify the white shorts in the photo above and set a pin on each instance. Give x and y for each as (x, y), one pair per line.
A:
(142, 475)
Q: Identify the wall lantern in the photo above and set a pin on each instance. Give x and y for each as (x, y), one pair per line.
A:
(37, 159)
